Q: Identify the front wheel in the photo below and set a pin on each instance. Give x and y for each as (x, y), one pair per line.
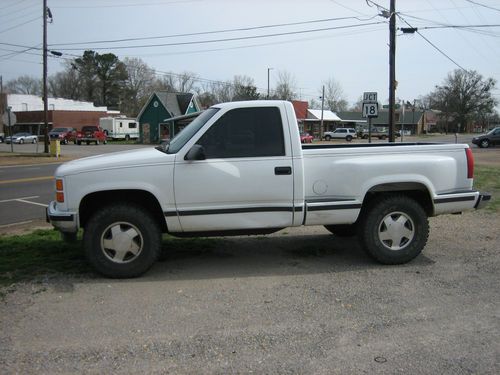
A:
(394, 230)
(328, 138)
(122, 241)
(348, 138)
(484, 143)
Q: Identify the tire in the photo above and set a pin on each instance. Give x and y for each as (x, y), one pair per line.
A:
(348, 138)
(485, 143)
(143, 235)
(383, 137)
(394, 229)
(127, 137)
(21, 141)
(342, 230)
(97, 143)
(34, 141)
(88, 142)
(104, 142)
(79, 143)
(365, 136)
(328, 138)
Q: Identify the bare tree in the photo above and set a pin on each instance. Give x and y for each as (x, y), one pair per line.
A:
(244, 88)
(285, 86)
(65, 84)
(184, 82)
(334, 96)
(138, 85)
(24, 85)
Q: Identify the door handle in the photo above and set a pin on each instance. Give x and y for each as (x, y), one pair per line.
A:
(282, 171)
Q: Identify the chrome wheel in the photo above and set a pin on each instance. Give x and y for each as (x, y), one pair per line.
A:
(396, 231)
(122, 242)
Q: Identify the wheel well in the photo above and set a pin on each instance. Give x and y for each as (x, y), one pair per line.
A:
(94, 201)
(414, 190)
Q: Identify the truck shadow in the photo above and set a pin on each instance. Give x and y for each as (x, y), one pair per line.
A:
(263, 256)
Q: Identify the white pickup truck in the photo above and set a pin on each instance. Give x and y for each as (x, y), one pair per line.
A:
(240, 168)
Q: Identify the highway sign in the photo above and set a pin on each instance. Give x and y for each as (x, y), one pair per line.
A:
(370, 110)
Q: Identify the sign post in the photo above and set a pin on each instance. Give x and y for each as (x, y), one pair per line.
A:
(370, 110)
(9, 119)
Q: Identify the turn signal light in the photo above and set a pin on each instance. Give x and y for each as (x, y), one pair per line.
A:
(59, 185)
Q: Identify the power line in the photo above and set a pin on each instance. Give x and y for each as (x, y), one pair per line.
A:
(432, 44)
(126, 5)
(483, 5)
(226, 39)
(19, 25)
(210, 32)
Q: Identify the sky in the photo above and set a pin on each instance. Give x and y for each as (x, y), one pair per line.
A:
(313, 41)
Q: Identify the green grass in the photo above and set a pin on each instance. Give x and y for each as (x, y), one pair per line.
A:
(42, 252)
(487, 179)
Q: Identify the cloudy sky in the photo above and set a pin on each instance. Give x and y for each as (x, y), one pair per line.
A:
(312, 40)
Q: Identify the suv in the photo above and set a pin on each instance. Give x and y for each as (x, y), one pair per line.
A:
(489, 139)
(341, 133)
(63, 134)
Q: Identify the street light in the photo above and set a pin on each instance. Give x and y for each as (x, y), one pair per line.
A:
(268, 70)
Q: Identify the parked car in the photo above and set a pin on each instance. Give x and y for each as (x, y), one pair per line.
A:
(2, 136)
(22, 138)
(377, 132)
(306, 138)
(90, 134)
(63, 134)
(341, 133)
(489, 139)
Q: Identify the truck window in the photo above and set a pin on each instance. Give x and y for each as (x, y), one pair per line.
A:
(245, 132)
(132, 125)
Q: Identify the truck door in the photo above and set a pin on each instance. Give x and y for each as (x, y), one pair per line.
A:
(245, 180)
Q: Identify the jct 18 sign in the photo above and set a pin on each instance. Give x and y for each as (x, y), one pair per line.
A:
(369, 97)
(370, 109)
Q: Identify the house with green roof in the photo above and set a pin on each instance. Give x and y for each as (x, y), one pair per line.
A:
(155, 118)
(411, 121)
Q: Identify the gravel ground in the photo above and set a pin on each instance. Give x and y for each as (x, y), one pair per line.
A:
(299, 301)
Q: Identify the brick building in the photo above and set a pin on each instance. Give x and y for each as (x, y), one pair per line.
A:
(61, 113)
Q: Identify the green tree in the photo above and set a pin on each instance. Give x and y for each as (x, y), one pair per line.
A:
(244, 89)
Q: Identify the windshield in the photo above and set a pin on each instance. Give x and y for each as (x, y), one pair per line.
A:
(58, 130)
(185, 135)
(492, 131)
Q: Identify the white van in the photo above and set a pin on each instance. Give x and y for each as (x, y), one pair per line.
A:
(120, 127)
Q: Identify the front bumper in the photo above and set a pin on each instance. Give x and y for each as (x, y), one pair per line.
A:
(62, 221)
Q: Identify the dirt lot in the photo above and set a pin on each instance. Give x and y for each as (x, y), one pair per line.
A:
(299, 301)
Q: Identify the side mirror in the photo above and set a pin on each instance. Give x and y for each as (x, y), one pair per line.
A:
(197, 152)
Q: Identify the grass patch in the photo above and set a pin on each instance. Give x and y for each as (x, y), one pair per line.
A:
(42, 252)
(487, 179)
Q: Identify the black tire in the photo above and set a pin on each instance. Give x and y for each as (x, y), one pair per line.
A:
(328, 138)
(34, 141)
(348, 138)
(394, 229)
(342, 230)
(365, 136)
(21, 141)
(97, 142)
(104, 142)
(484, 143)
(127, 137)
(88, 142)
(79, 143)
(383, 137)
(143, 235)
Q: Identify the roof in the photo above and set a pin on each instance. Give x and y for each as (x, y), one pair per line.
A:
(23, 103)
(315, 114)
(300, 108)
(176, 103)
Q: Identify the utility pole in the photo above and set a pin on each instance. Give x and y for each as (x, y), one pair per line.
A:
(322, 108)
(45, 100)
(392, 69)
(268, 70)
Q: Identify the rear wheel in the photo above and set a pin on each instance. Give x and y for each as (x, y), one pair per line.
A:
(394, 230)
(21, 141)
(34, 141)
(122, 241)
(97, 142)
(127, 137)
